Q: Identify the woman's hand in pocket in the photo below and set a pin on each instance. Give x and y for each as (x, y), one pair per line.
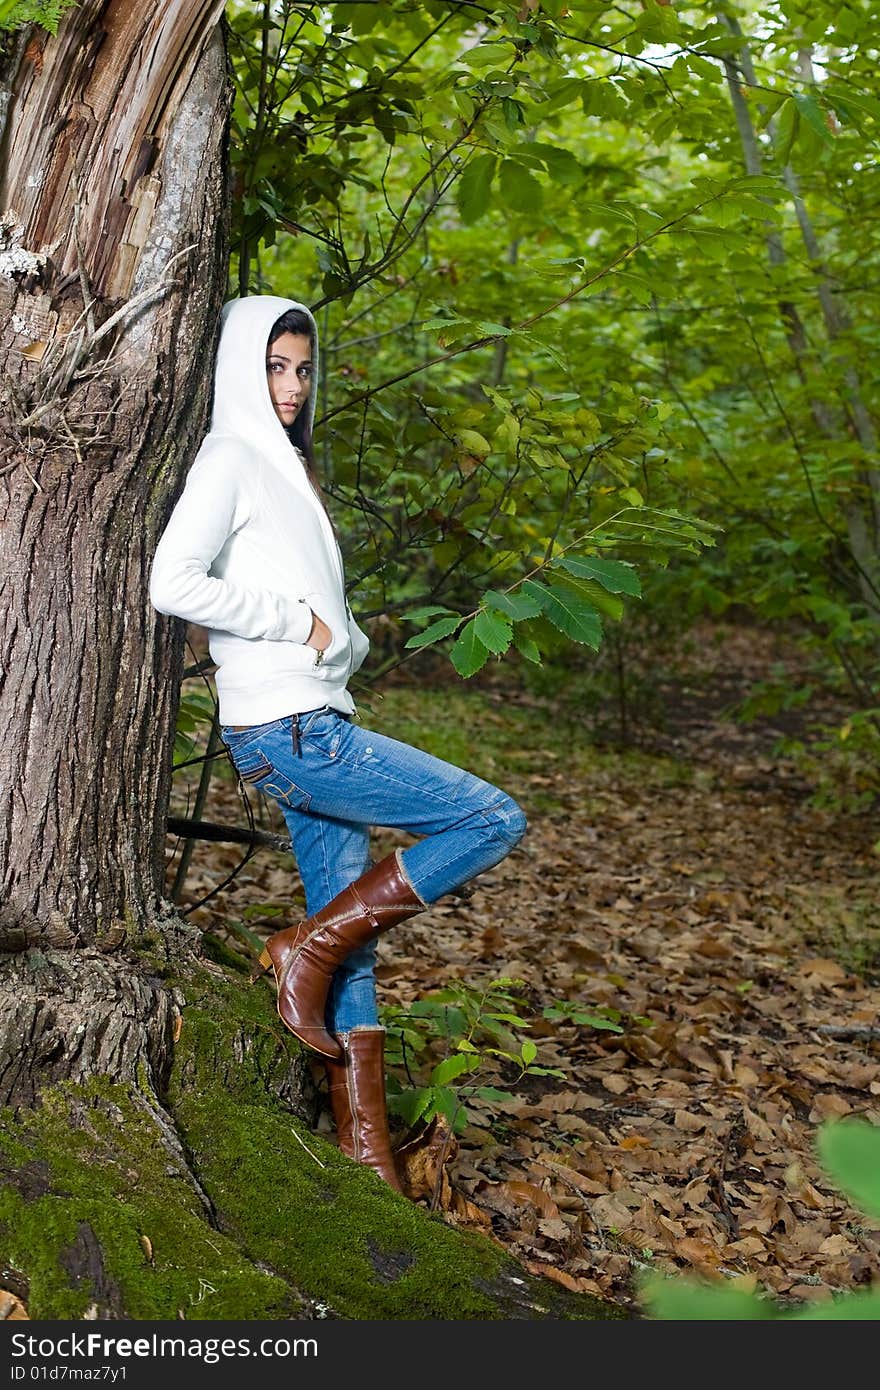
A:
(320, 636)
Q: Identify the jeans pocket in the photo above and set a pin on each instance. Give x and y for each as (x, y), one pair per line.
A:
(258, 771)
(323, 730)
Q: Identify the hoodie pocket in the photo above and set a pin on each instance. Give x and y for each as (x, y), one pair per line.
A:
(336, 654)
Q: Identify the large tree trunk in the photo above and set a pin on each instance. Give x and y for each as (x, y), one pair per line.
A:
(114, 217)
(115, 147)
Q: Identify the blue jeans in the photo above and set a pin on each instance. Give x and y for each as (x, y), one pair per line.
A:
(333, 779)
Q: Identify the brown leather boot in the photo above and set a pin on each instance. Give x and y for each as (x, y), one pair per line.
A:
(357, 1097)
(304, 957)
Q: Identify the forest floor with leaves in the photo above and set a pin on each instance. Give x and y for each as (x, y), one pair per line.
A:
(682, 882)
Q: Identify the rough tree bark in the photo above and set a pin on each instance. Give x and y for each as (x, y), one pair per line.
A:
(115, 145)
(115, 141)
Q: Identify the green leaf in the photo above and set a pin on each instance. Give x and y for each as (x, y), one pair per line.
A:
(632, 495)
(256, 943)
(573, 1013)
(850, 1153)
(474, 187)
(561, 165)
(809, 108)
(529, 1051)
(15, 14)
(411, 1105)
(492, 1093)
(505, 1053)
(513, 113)
(436, 324)
(618, 576)
(474, 442)
(568, 611)
(506, 436)
(516, 606)
(469, 654)
(416, 615)
(846, 101)
(684, 1300)
(771, 102)
(446, 1102)
(526, 647)
(561, 92)
(593, 592)
(487, 54)
(263, 910)
(435, 632)
(493, 629)
(587, 1020)
(520, 190)
(787, 129)
(703, 68)
(450, 1068)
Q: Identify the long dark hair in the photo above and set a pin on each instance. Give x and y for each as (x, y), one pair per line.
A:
(300, 431)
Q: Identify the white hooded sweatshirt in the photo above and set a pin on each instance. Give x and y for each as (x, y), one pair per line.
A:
(249, 551)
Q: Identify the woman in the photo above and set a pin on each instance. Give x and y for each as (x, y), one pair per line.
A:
(251, 554)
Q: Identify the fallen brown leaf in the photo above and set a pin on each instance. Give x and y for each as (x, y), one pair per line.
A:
(11, 1307)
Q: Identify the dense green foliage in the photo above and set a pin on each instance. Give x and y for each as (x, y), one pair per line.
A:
(452, 1038)
(594, 286)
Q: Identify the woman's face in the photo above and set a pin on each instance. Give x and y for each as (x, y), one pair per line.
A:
(289, 374)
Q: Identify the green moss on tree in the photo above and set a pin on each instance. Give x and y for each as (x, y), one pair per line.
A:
(97, 1208)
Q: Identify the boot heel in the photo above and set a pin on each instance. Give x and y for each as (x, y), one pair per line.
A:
(263, 964)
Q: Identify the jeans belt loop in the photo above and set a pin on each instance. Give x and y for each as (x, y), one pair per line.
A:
(294, 735)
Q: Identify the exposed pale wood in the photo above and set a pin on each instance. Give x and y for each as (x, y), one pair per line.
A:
(101, 97)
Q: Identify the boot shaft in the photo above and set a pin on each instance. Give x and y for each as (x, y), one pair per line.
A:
(357, 1097)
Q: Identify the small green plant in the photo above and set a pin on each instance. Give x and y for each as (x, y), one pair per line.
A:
(839, 758)
(443, 1049)
(604, 1018)
(849, 1151)
(468, 1025)
(841, 761)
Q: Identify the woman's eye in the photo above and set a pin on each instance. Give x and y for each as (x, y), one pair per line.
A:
(305, 371)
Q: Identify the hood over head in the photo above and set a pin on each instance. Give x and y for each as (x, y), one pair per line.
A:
(242, 405)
